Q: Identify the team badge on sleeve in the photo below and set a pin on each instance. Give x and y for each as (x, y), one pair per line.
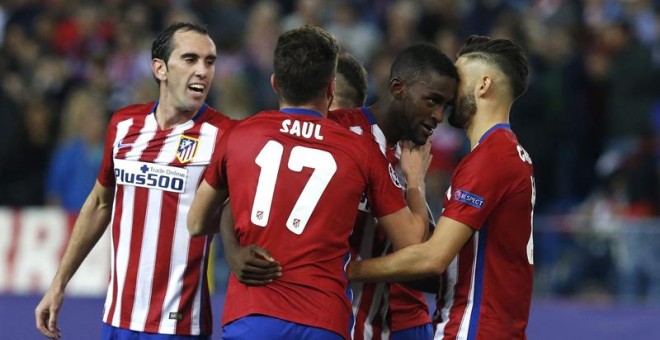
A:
(187, 149)
(468, 198)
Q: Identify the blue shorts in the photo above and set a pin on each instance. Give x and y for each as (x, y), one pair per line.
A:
(260, 327)
(414, 333)
(115, 333)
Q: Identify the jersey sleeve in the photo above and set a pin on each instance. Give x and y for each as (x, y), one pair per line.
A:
(384, 191)
(107, 171)
(476, 189)
(215, 174)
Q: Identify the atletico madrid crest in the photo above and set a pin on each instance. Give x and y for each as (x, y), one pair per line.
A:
(187, 149)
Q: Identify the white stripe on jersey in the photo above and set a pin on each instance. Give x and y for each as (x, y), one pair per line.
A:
(123, 247)
(179, 259)
(380, 138)
(197, 302)
(206, 145)
(450, 279)
(146, 134)
(467, 313)
(145, 272)
(177, 269)
(122, 130)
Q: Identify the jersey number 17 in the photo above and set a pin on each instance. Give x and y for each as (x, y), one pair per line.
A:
(269, 160)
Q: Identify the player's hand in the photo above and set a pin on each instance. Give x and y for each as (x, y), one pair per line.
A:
(254, 266)
(46, 314)
(415, 161)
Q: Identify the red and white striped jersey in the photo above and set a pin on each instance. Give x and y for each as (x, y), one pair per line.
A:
(158, 272)
(378, 308)
(487, 288)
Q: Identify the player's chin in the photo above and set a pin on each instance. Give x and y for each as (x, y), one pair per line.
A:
(420, 138)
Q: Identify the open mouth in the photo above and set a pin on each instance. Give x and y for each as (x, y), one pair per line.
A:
(428, 129)
(197, 88)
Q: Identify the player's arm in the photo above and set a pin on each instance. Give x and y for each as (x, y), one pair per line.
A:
(89, 227)
(410, 225)
(417, 261)
(252, 264)
(203, 216)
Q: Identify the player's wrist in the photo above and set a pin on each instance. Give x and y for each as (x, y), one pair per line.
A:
(414, 185)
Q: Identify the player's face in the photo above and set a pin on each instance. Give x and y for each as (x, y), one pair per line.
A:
(466, 108)
(190, 70)
(425, 103)
(466, 103)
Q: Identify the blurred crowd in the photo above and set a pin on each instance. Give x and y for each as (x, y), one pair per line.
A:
(590, 119)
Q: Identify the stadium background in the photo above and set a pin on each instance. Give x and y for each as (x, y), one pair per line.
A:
(590, 120)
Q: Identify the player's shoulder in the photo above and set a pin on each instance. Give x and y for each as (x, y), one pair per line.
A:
(134, 110)
(500, 147)
(216, 118)
(344, 113)
(350, 117)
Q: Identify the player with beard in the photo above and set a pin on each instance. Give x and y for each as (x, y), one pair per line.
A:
(483, 243)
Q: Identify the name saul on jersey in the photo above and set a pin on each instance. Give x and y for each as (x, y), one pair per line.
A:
(301, 129)
(150, 175)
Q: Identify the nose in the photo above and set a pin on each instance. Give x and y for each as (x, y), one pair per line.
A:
(438, 115)
(203, 70)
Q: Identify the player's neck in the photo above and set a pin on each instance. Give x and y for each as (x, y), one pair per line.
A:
(381, 110)
(320, 106)
(168, 117)
(484, 119)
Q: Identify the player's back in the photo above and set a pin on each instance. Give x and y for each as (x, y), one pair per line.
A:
(295, 180)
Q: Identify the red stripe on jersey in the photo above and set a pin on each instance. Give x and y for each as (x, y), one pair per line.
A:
(163, 260)
(139, 215)
(128, 294)
(464, 273)
(190, 278)
(131, 136)
(116, 222)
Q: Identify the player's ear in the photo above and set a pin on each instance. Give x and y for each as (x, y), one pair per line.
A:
(396, 88)
(330, 91)
(484, 85)
(159, 68)
(273, 84)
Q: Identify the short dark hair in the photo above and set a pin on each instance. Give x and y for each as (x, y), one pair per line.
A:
(162, 47)
(351, 80)
(508, 57)
(417, 60)
(305, 62)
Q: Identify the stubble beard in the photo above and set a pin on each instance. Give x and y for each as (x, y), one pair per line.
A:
(466, 108)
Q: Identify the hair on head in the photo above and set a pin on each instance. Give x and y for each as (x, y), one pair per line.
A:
(305, 62)
(351, 81)
(508, 57)
(417, 60)
(162, 46)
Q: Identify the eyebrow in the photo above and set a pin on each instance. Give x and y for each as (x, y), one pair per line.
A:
(195, 55)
